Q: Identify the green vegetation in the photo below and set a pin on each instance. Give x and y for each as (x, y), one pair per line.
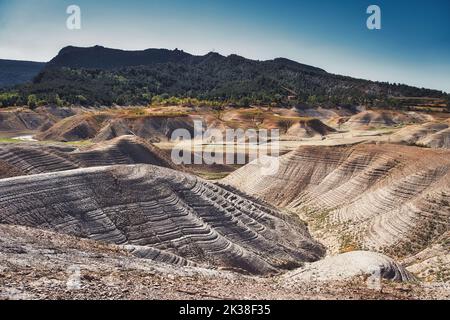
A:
(10, 140)
(166, 100)
(10, 99)
(176, 78)
(32, 101)
(81, 143)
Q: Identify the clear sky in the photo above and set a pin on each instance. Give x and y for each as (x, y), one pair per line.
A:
(412, 47)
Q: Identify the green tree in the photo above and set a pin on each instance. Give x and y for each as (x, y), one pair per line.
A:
(32, 101)
(59, 102)
(156, 100)
(8, 99)
(312, 100)
(165, 96)
(244, 102)
(80, 99)
(278, 98)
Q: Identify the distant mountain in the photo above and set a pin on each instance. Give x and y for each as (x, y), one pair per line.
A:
(99, 57)
(104, 58)
(15, 72)
(98, 75)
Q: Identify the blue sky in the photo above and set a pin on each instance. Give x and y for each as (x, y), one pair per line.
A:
(412, 47)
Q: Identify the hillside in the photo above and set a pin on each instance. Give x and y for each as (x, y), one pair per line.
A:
(386, 198)
(157, 209)
(20, 159)
(15, 72)
(102, 76)
(430, 135)
(380, 210)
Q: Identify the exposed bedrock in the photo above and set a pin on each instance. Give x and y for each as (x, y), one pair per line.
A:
(391, 199)
(158, 208)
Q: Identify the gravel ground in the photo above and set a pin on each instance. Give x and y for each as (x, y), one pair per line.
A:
(36, 264)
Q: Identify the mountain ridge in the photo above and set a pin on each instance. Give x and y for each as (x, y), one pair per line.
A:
(104, 76)
(69, 57)
(14, 72)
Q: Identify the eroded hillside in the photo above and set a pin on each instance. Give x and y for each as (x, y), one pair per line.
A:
(112, 186)
(159, 208)
(387, 198)
(26, 159)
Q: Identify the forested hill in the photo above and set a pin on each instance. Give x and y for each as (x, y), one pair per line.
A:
(102, 76)
(105, 58)
(14, 72)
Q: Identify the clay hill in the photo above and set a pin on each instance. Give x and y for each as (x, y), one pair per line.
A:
(155, 126)
(431, 134)
(20, 159)
(384, 118)
(386, 198)
(119, 211)
(292, 123)
(156, 213)
(22, 119)
(159, 210)
(107, 125)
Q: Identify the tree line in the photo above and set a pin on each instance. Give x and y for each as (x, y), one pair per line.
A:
(220, 81)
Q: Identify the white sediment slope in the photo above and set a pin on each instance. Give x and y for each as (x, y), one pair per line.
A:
(385, 198)
(350, 265)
